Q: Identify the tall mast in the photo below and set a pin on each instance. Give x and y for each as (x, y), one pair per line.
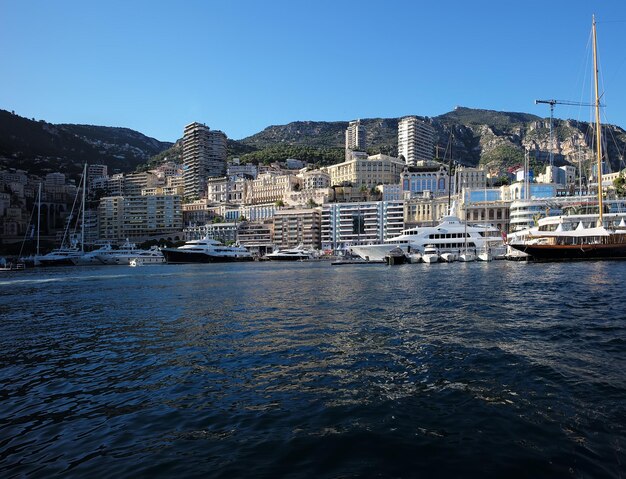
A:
(598, 126)
(38, 217)
(82, 225)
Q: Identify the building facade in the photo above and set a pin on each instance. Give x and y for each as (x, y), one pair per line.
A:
(355, 138)
(370, 172)
(270, 188)
(204, 156)
(294, 227)
(139, 217)
(415, 140)
(424, 181)
(347, 224)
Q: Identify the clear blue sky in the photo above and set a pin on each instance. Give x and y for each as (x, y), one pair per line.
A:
(240, 66)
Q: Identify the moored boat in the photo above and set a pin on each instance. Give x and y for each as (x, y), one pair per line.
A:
(299, 253)
(206, 250)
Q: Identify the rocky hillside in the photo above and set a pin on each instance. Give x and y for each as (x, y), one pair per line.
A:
(40, 147)
(478, 137)
(485, 137)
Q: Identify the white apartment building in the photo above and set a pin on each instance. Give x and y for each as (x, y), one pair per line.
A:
(415, 140)
(355, 137)
(347, 224)
(375, 170)
(204, 156)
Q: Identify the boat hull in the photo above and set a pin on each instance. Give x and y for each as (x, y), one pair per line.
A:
(57, 262)
(187, 257)
(287, 258)
(541, 252)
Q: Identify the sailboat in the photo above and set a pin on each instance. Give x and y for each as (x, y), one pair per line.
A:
(575, 240)
(68, 255)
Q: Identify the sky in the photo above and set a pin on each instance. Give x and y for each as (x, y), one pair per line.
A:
(241, 66)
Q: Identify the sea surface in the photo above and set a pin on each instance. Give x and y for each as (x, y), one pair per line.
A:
(302, 370)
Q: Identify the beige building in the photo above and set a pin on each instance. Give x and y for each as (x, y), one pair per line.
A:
(294, 227)
(269, 188)
(425, 211)
(465, 177)
(375, 170)
(256, 236)
(227, 189)
(139, 217)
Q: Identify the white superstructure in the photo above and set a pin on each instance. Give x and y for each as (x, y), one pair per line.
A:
(450, 235)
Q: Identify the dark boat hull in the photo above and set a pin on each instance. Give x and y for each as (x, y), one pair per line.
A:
(56, 262)
(288, 258)
(179, 257)
(573, 252)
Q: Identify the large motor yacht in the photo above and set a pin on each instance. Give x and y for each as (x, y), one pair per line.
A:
(450, 235)
(206, 250)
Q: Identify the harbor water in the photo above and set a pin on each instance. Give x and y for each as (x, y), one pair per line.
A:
(310, 370)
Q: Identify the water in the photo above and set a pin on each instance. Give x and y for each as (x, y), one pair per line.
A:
(308, 370)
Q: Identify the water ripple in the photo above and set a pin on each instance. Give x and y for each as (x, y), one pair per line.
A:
(306, 370)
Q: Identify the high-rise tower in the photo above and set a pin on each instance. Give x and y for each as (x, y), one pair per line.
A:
(415, 140)
(355, 136)
(204, 156)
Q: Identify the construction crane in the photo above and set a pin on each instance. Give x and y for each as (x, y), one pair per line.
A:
(552, 103)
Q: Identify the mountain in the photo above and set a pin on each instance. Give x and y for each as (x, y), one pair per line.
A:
(479, 137)
(40, 147)
(494, 139)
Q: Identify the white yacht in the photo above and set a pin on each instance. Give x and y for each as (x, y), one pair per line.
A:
(206, 250)
(484, 255)
(449, 257)
(431, 255)
(64, 256)
(91, 257)
(129, 251)
(299, 253)
(450, 235)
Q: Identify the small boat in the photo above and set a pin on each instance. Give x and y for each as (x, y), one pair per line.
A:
(299, 253)
(11, 266)
(396, 256)
(448, 257)
(136, 262)
(484, 255)
(414, 257)
(467, 256)
(431, 255)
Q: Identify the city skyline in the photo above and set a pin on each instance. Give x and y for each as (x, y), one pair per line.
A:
(239, 68)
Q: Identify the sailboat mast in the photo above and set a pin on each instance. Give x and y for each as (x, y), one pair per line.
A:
(598, 126)
(82, 225)
(38, 216)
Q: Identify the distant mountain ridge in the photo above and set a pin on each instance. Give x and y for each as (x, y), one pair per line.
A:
(478, 137)
(40, 147)
(494, 139)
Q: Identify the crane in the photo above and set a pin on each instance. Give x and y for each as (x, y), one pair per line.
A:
(552, 103)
